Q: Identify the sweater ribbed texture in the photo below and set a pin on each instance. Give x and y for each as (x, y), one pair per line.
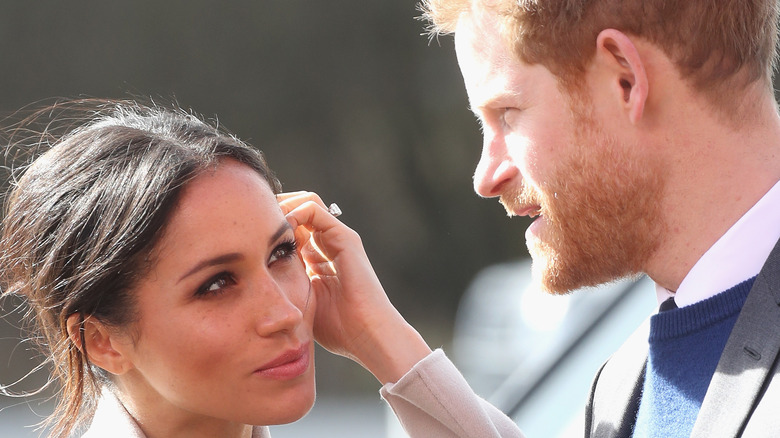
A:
(685, 346)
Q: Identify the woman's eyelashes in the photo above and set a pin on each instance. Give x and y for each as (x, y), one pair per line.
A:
(216, 284)
(283, 251)
(219, 283)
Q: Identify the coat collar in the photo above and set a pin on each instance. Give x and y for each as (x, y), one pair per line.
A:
(112, 419)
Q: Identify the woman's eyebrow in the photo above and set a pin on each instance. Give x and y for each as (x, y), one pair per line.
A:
(283, 228)
(214, 261)
(234, 256)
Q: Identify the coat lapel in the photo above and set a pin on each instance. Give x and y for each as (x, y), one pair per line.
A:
(615, 393)
(747, 360)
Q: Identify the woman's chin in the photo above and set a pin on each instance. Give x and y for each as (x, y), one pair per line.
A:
(289, 409)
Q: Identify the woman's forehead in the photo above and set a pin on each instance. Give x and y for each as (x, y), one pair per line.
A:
(228, 204)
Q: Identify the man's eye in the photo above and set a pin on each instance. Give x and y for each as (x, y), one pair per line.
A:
(509, 116)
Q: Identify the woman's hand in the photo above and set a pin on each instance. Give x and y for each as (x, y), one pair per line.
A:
(354, 317)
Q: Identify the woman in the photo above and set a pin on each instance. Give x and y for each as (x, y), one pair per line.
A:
(172, 292)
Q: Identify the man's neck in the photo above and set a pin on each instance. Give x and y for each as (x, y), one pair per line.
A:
(715, 173)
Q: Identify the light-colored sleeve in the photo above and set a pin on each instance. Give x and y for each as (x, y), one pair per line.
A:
(433, 400)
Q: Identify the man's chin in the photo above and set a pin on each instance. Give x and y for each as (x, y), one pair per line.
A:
(551, 272)
(556, 276)
(544, 270)
(547, 280)
(552, 281)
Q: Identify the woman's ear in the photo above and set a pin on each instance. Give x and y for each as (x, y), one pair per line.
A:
(626, 71)
(102, 344)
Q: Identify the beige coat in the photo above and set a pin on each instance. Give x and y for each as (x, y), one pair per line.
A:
(432, 400)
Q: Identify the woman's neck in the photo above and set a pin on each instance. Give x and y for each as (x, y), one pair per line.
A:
(160, 419)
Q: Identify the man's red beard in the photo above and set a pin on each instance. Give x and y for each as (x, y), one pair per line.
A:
(601, 212)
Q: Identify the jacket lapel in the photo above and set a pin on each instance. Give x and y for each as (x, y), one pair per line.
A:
(747, 360)
(614, 397)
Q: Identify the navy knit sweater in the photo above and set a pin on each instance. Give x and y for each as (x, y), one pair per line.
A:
(685, 346)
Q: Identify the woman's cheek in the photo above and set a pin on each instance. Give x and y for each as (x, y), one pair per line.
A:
(297, 285)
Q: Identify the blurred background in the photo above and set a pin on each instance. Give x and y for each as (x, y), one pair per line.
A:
(345, 98)
(349, 99)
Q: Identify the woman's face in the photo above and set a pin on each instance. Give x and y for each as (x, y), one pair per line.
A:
(224, 332)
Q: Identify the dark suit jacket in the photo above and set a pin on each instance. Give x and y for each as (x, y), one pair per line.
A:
(743, 398)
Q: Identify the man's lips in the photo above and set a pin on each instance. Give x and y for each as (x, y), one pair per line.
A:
(289, 364)
(530, 211)
(521, 203)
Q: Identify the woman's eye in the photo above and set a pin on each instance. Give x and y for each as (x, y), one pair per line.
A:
(284, 250)
(216, 284)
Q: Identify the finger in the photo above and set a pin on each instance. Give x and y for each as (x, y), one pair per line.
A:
(286, 195)
(290, 201)
(326, 230)
(302, 235)
(322, 269)
(309, 252)
(312, 215)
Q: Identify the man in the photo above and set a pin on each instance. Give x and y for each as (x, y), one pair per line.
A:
(645, 137)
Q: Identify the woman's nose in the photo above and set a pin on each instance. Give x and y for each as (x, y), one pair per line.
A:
(278, 313)
(495, 170)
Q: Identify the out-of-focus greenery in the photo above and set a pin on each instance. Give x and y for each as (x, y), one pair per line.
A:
(346, 98)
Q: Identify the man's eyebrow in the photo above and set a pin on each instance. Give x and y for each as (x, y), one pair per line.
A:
(233, 256)
(479, 110)
(500, 99)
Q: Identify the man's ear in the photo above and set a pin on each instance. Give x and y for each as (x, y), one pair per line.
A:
(103, 344)
(626, 70)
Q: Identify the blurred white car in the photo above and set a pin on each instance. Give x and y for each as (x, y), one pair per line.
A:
(534, 355)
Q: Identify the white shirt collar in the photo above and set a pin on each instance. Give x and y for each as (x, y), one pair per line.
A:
(736, 256)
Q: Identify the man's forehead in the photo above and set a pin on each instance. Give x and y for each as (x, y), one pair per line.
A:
(490, 69)
(477, 34)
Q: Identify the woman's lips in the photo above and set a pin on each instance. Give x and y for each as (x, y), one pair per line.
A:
(288, 365)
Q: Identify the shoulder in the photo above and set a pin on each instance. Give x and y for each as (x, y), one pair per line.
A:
(111, 419)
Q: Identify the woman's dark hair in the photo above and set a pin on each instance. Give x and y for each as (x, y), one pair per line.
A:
(83, 218)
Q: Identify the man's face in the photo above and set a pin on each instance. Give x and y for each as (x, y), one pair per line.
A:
(546, 154)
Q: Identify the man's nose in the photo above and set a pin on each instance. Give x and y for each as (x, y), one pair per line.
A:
(495, 170)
